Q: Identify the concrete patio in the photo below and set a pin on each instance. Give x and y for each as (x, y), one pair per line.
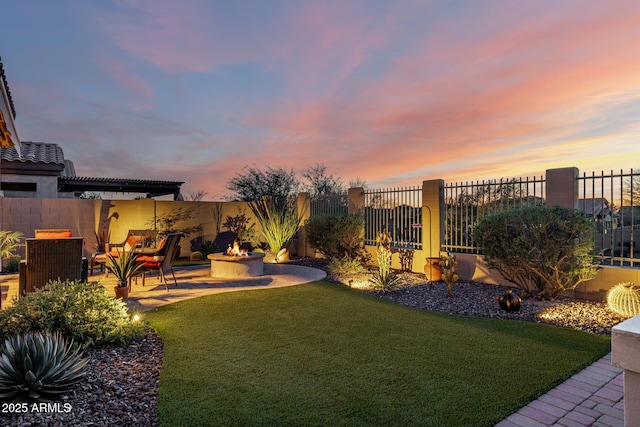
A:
(193, 281)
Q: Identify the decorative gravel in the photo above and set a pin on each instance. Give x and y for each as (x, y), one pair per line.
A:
(121, 385)
(120, 389)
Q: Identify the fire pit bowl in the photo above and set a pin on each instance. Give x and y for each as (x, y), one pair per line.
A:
(229, 266)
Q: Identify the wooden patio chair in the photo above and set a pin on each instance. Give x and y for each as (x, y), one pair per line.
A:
(51, 259)
(136, 240)
(161, 261)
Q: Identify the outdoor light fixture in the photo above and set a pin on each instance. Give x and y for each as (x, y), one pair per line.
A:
(136, 317)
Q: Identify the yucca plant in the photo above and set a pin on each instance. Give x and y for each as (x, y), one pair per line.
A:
(37, 365)
(123, 266)
(384, 279)
(279, 220)
(449, 267)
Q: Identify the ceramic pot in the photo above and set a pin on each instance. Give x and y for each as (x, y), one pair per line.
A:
(283, 256)
(432, 269)
(122, 292)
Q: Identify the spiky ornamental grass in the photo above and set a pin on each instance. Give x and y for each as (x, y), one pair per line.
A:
(279, 220)
(36, 365)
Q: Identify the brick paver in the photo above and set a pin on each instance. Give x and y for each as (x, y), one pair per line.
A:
(592, 397)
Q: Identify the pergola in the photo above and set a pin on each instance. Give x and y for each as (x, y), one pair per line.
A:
(119, 185)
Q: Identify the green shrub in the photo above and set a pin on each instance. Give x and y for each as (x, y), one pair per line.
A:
(542, 250)
(624, 299)
(337, 236)
(78, 310)
(345, 265)
(13, 265)
(36, 365)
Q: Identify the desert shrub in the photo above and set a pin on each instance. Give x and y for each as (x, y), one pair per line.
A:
(78, 310)
(39, 365)
(345, 265)
(542, 250)
(624, 299)
(384, 279)
(337, 236)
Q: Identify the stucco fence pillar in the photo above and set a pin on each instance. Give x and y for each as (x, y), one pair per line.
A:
(625, 354)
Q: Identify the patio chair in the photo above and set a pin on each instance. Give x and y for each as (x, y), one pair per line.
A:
(161, 260)
(136, 240)
(51, 259)
(141, 241)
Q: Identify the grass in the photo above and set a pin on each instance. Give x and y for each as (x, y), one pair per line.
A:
(323, 354)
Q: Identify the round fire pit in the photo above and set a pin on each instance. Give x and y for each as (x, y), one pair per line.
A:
(226, 266)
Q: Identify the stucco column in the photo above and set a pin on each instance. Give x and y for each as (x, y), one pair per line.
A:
(562, 188)
(356, 201)
(432, 216)
(625, 354)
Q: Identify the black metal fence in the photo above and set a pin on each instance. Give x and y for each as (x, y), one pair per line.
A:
(469, 202)
(328, 204)
(613, 201)
(397, 210)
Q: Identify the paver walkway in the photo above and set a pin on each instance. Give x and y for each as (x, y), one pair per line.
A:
(592, 397)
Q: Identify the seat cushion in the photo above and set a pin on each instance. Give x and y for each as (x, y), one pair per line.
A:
(54, 235)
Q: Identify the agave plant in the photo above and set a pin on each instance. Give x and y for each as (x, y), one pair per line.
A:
(123, 266)
(37, 365)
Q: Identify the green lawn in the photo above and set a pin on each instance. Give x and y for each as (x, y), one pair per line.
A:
(322, 354)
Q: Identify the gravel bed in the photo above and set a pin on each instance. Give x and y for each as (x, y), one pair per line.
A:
(121, 384)
(119, 389)
(480, 300)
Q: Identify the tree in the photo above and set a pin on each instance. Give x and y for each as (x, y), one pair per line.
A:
(196, 196)
(253, 184)
(319, 183)
(631, 189)
(358, 182)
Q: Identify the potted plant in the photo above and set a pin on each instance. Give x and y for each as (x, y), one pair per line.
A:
(123, 266)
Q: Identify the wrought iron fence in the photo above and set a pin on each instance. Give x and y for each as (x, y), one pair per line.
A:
(397, 210)
(467, 203)
(328, 204)
(613, 201)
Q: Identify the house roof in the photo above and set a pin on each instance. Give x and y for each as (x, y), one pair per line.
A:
(6, 87)
(598, 207)
(40, 158)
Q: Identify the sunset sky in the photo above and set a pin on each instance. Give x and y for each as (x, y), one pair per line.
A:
(392, 92)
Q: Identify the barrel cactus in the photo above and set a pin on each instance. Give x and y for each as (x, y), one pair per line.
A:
(39, 365)
(624, 299)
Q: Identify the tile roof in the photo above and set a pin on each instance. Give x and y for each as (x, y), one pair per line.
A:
(6, 88)
(35, 152)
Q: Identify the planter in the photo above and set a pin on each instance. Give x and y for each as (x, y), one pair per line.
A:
(122, 292)
(432, 269)
(283, 256)
(509, 302)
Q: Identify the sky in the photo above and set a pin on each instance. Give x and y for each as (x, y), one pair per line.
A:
(391, 92)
